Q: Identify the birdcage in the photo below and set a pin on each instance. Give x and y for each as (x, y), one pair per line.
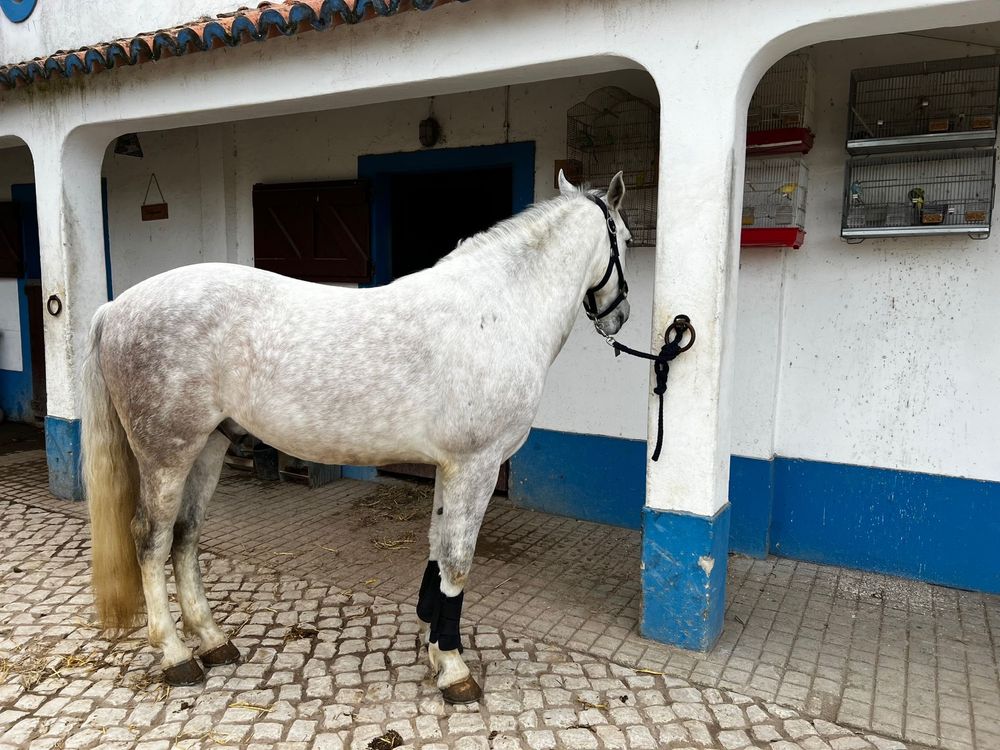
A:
(939, 104)
(774, 194)
(784, 96)
(944, 192)
(613, 130)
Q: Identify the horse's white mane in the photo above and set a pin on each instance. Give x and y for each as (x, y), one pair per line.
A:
(523, 232)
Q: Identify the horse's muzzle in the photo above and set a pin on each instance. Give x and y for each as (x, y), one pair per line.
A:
(611, 323)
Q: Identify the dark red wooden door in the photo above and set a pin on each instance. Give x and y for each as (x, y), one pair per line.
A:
(316, 231)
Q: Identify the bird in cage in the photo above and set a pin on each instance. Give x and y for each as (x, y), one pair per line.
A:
(787, 190)
(856, 193)
(916, 196)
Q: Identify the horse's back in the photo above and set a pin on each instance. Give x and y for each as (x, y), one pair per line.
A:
(327, 373)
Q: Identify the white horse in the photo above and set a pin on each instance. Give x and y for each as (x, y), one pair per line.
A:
(445, 366)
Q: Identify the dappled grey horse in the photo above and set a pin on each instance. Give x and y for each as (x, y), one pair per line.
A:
(445, 367)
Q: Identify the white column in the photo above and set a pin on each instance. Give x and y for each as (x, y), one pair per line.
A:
(686, 518)
(74, 284)
(697, 257)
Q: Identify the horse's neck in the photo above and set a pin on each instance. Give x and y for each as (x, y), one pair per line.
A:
(555, 281)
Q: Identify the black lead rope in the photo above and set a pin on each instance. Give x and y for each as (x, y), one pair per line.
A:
(672, 346)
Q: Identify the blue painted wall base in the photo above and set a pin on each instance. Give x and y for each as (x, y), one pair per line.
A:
(364, 473)
(751, 493)
(603, 479)
(924, 526)
(684, 561)
(62, 449)
(590, 477)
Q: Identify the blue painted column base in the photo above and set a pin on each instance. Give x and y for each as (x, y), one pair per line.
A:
(62, 449)
(684, 561)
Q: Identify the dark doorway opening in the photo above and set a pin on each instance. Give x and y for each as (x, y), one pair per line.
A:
(432, 211)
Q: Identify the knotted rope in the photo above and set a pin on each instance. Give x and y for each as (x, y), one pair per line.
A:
(661, 363)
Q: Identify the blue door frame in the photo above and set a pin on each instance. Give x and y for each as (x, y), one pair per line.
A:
(379, 169)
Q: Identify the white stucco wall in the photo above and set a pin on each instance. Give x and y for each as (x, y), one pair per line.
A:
(889, 355)
(141, 249)
(15, 168)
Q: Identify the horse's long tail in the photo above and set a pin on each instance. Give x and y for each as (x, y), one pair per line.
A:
(111, 480)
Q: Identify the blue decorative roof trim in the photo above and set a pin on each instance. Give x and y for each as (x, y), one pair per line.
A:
(269, 19)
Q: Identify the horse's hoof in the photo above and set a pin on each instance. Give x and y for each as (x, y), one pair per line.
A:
(219, 656)
(466, 691)
(186, 673)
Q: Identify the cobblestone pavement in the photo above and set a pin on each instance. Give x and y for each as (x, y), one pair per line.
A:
(871, 653)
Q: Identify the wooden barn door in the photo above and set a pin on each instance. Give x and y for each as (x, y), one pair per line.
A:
(318, 231)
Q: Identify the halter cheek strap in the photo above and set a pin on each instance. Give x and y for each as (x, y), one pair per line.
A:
(614, 264)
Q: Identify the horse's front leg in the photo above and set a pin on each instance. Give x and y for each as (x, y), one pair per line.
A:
(215, 649)
(461, 496)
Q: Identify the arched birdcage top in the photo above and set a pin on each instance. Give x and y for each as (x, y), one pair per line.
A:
(614, 130)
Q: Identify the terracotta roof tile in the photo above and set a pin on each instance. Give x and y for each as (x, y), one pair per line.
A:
(267, 20)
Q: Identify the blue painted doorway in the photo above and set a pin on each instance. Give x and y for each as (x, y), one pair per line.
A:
(405, 183)
(415, 193)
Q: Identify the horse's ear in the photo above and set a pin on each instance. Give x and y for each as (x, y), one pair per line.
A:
(565, 186)
(616, 191)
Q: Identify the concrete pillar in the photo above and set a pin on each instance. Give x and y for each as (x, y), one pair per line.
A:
(74, 285)
(686, 518)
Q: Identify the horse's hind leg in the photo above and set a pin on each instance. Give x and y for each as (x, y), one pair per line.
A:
(465, 494)
(161, 489)
(215, 648)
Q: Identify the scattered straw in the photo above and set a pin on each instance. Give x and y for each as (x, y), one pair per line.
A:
(371, 582)
(33, 664)
(649, 671)
(390, 544)
(588, 704)
(211, 735)
(252, 707)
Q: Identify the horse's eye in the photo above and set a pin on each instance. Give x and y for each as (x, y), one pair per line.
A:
(624, 218)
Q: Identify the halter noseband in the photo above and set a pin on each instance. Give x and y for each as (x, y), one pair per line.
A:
(614, 263)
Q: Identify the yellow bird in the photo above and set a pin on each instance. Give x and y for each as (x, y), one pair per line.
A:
(788, 189)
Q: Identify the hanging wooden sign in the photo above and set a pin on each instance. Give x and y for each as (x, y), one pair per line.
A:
(154, 211)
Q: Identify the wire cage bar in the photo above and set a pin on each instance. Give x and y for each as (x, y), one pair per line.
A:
(613, 130)
(939, 104)
(784, 96)
(774, 193)
(944, 192)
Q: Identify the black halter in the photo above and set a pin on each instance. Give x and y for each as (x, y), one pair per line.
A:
(614, 263)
